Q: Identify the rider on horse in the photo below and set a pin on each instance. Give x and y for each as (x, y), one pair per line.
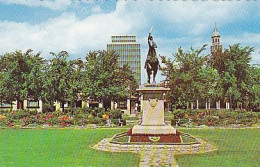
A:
(152, 62)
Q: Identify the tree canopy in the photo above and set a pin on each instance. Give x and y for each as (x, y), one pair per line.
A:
(190, 76)
(104, 79)
(238, 79)
(58, 72)
(21, 76)
(226, 76)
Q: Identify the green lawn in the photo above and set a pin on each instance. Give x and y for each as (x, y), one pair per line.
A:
(63, 147)
(71, 147)
(236, 148)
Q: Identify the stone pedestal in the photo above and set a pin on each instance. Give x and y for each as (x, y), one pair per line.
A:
(153, 127)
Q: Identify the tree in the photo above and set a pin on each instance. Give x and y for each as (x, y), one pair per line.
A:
(76, 81)
(21, 76)
(233, 66)
(190, 76)
(104, 80)
(57, 77)
(253, 97)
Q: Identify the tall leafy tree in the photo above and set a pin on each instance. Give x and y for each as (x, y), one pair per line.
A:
(104, 80)
(57, 77)
(21, 76)
(236, 77)
(252, 99)
(76, 81)
(190, 76)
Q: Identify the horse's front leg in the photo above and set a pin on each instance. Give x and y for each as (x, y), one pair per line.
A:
(148, 75)
(154, 74)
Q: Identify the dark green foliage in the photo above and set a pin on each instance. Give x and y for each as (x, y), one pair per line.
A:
(115, 114)
(56, 79)
(104, 80)
(96, 120)
(190, 77)
(21, 76)
(227, 76)
(239, 81)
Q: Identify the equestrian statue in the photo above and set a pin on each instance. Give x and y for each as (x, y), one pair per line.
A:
(152, 63)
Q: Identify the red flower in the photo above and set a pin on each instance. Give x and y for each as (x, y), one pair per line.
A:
(64, 118)
(47, 117)
(11, 124)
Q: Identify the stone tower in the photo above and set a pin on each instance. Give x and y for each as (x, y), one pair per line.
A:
(216, 45)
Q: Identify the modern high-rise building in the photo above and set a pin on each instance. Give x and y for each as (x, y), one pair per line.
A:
(216, 44)
(129, 53)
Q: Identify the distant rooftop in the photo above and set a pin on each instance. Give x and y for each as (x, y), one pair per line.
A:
(123, 38)
(215, 33)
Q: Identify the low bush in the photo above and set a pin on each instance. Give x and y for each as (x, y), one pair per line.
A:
(216, 117)
(115, 114)
(96, 120)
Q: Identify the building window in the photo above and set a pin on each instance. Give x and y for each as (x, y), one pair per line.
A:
(5, 105)
(122, 104)
(32, 104)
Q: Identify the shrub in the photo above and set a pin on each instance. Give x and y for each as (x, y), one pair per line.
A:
(97, 112)
(24, 121)
(215, 117)
(115, 114)
(179, 113)
(96, 120)
(5, 112)
(46, 107)
(3, 120)
(57, 113)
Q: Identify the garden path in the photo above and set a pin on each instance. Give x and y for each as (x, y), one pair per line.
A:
(156, 155)
(157, 158)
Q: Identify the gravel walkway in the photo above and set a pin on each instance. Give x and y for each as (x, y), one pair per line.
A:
(156, 155)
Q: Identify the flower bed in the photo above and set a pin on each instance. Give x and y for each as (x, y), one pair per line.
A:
(215, 117)
(77, 117)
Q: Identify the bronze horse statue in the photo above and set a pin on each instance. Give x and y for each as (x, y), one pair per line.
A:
(152, 63)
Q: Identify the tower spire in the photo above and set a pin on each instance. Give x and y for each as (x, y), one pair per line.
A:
(216, 45)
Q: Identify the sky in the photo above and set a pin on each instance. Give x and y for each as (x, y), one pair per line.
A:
(80, 26)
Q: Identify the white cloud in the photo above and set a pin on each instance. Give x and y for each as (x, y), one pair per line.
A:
(96, 9)
(65, 32)
(54, 5)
